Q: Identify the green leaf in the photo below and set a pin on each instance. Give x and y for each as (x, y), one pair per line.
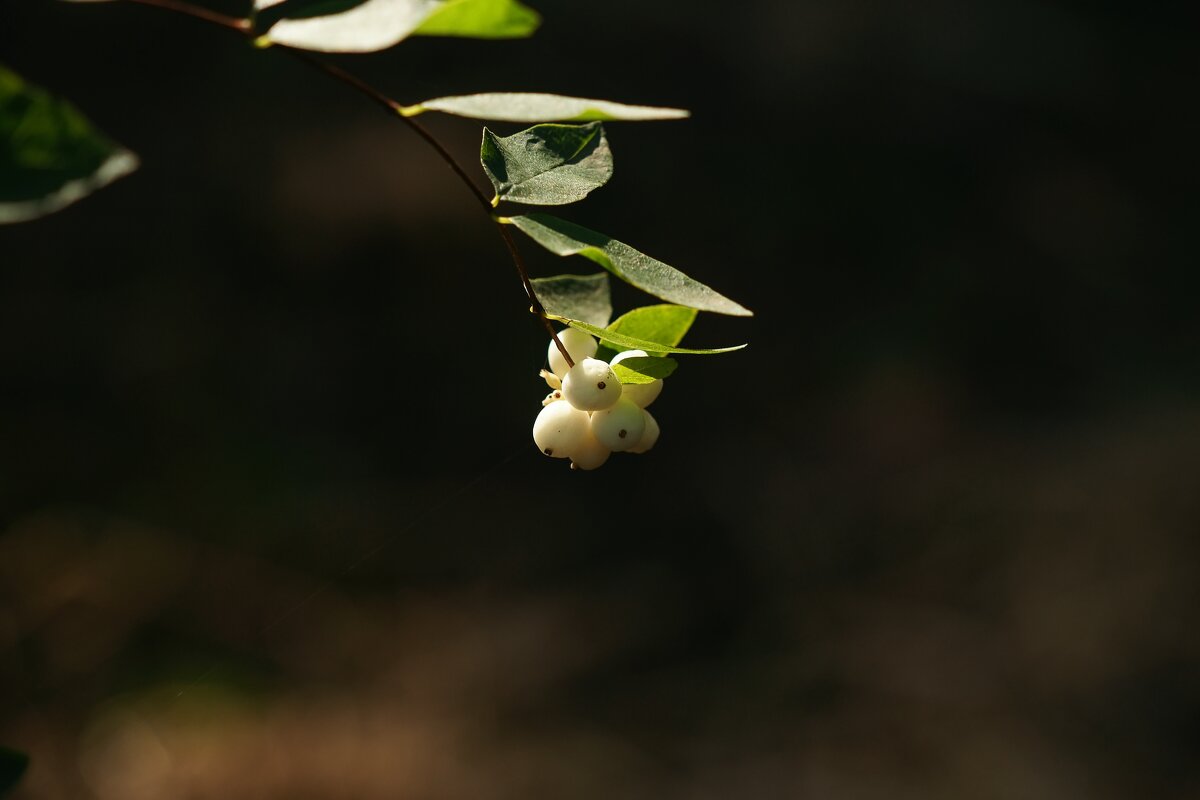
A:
(50, 154)
(585, 297)
(481, 19)
(662, 323)
(547, 165)
(625, 342)
(12, 768)
(650, 275)
(341, 27)
(535, 107)
(644, 370)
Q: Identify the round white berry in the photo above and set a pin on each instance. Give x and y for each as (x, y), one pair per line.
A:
(643, 394)
(559, 429)
(590, 452)
(620, 427)
(649, 435)
(578, 344)
(591, 385)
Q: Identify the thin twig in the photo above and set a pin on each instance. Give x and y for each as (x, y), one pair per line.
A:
(196, 12)
(246, 28)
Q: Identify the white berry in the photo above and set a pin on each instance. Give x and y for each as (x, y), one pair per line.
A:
(620, 427)
(643, 394)
(591, 385)
(590, 452)
(578, 344)
(559, 429)
(649, 435)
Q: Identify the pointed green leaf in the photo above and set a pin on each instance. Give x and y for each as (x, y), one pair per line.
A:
(340, 26)
(644, 370)
(481, 19)
(536, 107)
(50, 155)
(650, 275)
(633, 343)
(12, 768)
(547, 165)
(585, 297)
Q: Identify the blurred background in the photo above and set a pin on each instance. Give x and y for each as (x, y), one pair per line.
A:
(272, 525)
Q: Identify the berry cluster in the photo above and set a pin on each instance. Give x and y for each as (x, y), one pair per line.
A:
(590, 415)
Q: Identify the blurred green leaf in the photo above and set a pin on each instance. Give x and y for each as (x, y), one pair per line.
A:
(644, 369)
(585, 297)
(481, 19)
(340, 26)
(547, 165)
(50, 155)
(650, 275)
(625, 342)
(12, 768)
(535, 107)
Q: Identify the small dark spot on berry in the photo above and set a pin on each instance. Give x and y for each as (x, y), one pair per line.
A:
(622, 433)
(548, 451)
(601, 385)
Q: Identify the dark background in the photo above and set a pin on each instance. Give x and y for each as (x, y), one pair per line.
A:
(272, 525)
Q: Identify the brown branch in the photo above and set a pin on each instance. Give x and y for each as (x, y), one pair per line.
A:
(196, 12)
(246, 28)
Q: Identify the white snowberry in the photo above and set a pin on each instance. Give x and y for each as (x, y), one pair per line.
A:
(649, 435)
(591, 385)
(590, 452)
(641, 393)
(578, 344)
(560, 429)
(620, 427)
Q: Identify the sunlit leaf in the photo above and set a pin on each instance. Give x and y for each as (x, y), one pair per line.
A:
(329, 27)
(661, 323)
(535, 107)
(547, 164)
(633, 343)
(585, 297)
(481, 19)
(650, 275)
(50, 154)
(363, 26)
(644, 369)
